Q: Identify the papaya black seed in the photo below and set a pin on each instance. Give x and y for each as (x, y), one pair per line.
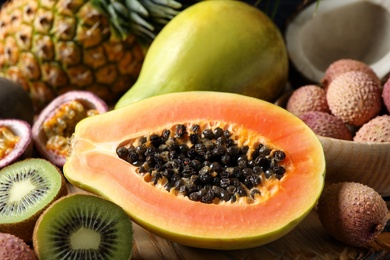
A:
(181, 130)
(195, 128)
(205, 164)
(279, 155)
(208, 197)
(215, 167)
(194, 138)
(217, 132)
(155, 140)
(208, 133)
(200, 149)
(165, 134)
(122, 152)
(264, 150)
(195, 196)
(205, 177)
(255, 192)
(241, 191)
(229, 142)
(224, 182)
(225, 159)
(242, 161)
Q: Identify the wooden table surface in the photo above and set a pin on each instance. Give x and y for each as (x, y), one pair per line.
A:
(307, 241)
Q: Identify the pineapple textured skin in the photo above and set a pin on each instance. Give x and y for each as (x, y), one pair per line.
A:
(52, 46)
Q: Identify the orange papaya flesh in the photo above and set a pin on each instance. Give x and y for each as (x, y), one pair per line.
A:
(93, 165)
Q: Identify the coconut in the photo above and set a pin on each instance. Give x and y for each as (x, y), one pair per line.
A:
(320, 34)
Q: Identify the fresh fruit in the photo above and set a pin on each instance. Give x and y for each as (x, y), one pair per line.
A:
(327, 125)
(15, 141)
(226, 46)
(15, 102)
(204, 169)
(56, 46)
(314, 38)
(353, 213)
(26, 189)
(307, 98)
(341, 66)
(386, 95)
(149, 17)
(354, 97)
(14, 248)
(56, 122)
(375, 130)
(81, 226)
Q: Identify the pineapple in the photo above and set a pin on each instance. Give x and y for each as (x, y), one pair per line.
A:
(52, 46)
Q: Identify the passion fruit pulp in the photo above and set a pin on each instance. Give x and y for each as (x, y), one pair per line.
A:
(15, 141)
(56, 123)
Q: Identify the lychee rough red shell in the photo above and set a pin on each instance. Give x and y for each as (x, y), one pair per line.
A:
(354, 97)
(376, 130)
(386, 95)
(341, 66)
(327, 125)
(353, 213)
(12, 247)
(307, 98)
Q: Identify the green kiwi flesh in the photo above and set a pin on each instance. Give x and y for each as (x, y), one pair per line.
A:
(26, 188)
(83, 226)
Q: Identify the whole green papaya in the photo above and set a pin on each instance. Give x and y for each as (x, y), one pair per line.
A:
(218, 45)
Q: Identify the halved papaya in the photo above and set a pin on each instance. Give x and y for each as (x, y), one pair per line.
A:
(253, 213)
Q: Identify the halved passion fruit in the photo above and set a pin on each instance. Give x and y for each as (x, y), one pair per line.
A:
(203, 169)
(56, 123)
(15, 141)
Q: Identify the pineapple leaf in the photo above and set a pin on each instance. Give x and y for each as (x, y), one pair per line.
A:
(140, 17)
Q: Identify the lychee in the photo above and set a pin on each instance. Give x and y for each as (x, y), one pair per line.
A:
(354, 97)
(327, 125)
(307, 98)
(376, 130)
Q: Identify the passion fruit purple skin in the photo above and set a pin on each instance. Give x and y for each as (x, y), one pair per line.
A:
(88, 99)
(24, 148)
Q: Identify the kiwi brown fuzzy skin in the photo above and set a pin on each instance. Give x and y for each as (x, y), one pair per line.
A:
(352, 213)
(24, 229)
(13, 247)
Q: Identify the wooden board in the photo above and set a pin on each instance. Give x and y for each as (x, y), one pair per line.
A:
(307, 241)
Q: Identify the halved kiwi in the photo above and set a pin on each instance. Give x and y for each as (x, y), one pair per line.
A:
(83, 226)
(26, 188)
